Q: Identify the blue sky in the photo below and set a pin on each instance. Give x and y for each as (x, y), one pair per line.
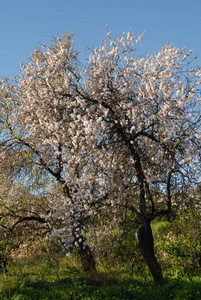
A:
(26, 23)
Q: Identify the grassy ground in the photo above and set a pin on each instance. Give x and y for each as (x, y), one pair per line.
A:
(40, 272)
(46, 278)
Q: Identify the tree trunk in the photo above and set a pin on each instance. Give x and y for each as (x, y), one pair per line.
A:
(87, 259)
(146, 243)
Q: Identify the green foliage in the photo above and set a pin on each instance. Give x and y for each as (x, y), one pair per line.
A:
(179, 242)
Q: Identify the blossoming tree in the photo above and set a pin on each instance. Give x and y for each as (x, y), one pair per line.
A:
(43, 122)
(150, 107)
(122, 121)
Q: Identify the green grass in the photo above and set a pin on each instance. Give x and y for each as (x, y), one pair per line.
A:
(46, 279)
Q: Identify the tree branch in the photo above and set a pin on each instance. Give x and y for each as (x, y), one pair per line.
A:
(31, 218)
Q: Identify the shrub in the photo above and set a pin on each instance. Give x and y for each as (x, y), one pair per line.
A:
(180, 242)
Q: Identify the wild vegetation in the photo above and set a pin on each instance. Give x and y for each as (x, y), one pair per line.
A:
(101, 162)
(39, 269)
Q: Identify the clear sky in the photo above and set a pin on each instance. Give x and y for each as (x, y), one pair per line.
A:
(26, 23)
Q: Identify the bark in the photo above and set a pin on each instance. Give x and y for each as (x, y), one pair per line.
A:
(3, 263)
(146, 243)
(87, 259)
(169, 189)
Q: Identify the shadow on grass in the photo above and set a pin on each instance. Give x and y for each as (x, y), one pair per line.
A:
(100, 288)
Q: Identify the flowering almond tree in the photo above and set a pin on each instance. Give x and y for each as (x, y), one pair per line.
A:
(124, 124)
(43, 121)
(147, 109)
